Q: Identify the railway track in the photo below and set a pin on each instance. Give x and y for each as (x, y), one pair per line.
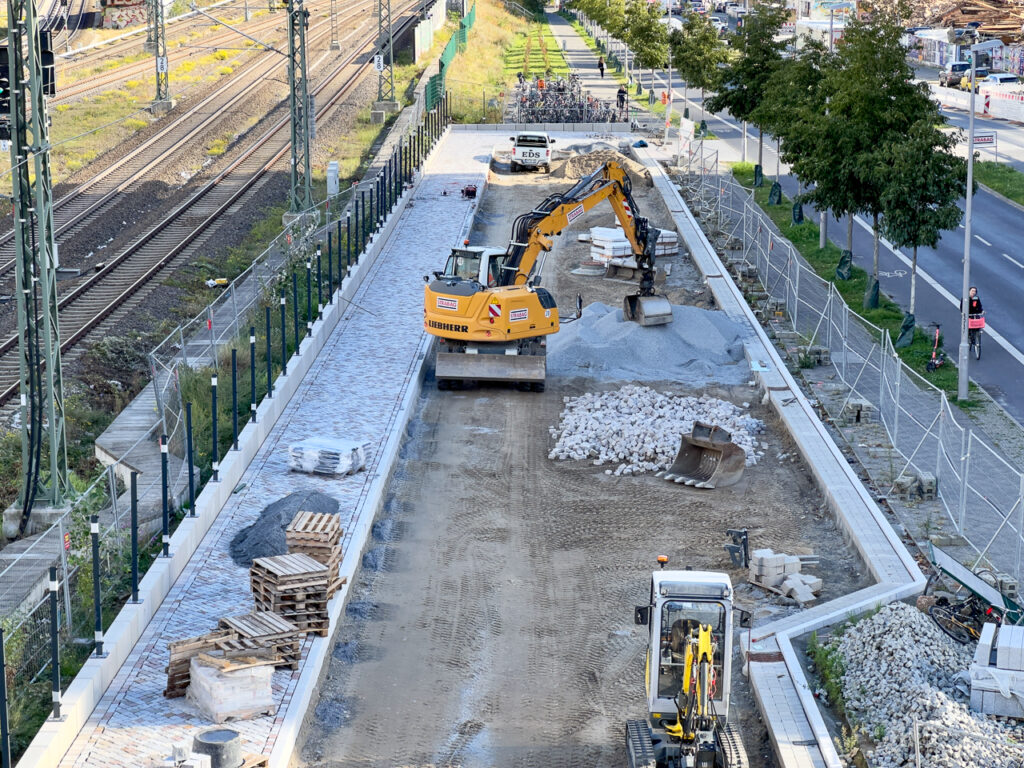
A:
(84, 204)
(127, 276)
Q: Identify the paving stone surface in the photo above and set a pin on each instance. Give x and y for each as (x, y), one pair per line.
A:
(354, 390)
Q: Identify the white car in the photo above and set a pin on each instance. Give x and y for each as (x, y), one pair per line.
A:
(731, 8)
(1001, 78)
(719, 25)
(531, 149)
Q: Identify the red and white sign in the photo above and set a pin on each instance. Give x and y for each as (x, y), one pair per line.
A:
(574, 214)
(494, 310)
(519, 314)
(984, 137)
(445, 303)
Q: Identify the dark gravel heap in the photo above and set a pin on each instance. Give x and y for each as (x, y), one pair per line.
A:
(265, 537)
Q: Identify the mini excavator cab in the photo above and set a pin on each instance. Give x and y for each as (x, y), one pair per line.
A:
(688, 674)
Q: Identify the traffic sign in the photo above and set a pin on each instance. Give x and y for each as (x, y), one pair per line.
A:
(984, 137)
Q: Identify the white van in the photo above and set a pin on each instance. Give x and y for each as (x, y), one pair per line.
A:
(531, 149)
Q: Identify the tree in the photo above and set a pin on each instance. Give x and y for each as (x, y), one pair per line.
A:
(922, 189)
(741, 84)
(645, 34)
(697, 52)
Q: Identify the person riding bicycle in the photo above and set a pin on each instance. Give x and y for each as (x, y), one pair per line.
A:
(975, 312)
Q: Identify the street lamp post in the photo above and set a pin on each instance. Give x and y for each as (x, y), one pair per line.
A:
(962, 379)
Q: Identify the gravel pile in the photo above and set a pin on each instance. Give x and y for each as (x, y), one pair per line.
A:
(639, 429)
(697, 348)
(900, 665)
(266, 537)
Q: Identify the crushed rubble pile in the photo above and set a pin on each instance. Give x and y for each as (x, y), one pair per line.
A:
(900, 666)
(639, 429)
(578, 166)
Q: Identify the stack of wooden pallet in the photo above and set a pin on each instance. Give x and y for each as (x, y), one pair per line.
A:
(294, 587)
(319, 536)
(262, 629)
(182, 652)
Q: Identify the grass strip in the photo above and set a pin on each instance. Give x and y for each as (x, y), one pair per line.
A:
(888, 316)
(1002, 178)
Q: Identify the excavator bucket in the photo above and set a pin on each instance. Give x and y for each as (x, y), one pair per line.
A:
(707, 459)
(647, 310)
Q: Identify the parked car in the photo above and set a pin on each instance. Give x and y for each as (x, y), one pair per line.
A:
(730, 9)
(720, 26)
(980, 73)
(1000, 78)
(950, 76)
(531, 149)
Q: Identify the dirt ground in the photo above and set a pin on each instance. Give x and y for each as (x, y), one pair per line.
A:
(492, 621)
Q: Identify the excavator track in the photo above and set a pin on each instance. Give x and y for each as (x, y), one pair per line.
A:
(639, 749)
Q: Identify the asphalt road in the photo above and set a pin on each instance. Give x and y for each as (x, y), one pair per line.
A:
(997, 260)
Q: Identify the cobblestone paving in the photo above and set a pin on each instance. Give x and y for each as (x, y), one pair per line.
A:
(354, 389)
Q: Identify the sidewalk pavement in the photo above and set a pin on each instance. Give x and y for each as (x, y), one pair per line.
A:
(583, 61)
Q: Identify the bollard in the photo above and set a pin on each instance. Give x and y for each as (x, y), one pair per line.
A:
(215, 453)
(284, 337)
(94, 530)
(362, 223)
(319, 284)
(164, 511)
(341, 273)
(54, 645)
(234, 399)
(252, 374)
(135, 536)
(5, 727)
(295, 309)
(309, 296)
(190, 458)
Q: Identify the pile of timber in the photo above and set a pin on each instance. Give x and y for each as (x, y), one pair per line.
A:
(318, 535)
(294, 587)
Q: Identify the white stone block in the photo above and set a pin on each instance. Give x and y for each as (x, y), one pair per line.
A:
(1010, 648)
(236, 694)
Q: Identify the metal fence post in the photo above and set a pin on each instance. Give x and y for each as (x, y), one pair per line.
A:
(796, 294)
(965, 444)
(54, 645)
(157, 393)
(215, 448)
(184, 347)
(234, 308)
(295, 308)
(209, 326)
(165, 512)
(189, 457)
(330, 269)
(348, 238)
(94, 530)
(64, 566)
(234, 398)
(309, 296)
(319, 282)
(5, 727)
(284, 337)
(896, 397)
(941, 447)
(270, 365)
(134, 485)
(252, 373)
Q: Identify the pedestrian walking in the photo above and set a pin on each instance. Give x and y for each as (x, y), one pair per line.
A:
(621, 98)
(600, 66)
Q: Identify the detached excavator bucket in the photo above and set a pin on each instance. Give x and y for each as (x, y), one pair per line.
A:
(707, 458)
(647, 310)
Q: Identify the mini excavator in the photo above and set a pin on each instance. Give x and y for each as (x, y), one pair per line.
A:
(487, 307)
(688, 675)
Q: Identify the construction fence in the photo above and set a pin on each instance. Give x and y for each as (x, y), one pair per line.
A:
(436, 87)
(262, 316)
(981, 493)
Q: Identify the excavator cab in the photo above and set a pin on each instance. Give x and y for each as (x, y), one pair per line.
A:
(688, 675)
(484, 265)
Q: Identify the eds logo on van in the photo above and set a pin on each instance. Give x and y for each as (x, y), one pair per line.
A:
(518, 314)
(443, 303)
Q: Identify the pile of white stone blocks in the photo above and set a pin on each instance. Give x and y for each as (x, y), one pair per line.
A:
(859, 411)
(610, 245)
(781, 573)
(997, 672)
(915, 486)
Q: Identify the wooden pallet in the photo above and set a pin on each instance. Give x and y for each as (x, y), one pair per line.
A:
(318, 536)
(264, 629)
(181, 653)
(254, 761)
(294, 587)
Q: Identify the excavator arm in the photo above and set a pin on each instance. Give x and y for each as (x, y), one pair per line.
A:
(532, 232)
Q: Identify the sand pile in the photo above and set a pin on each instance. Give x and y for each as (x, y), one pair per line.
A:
(578, 166)
(699, 347)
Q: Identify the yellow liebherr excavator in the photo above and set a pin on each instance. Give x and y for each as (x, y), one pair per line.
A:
(487, 308)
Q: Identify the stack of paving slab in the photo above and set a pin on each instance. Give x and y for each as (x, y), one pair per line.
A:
(781, 573)
(294, 587)
(232, 689)
(327, 456)
(318, 535)
(997, 672)
(609, 245)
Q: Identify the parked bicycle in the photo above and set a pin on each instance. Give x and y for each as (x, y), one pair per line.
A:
(975, 326)
(963, 621)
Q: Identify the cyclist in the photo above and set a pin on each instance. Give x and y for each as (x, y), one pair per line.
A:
(975, 312)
